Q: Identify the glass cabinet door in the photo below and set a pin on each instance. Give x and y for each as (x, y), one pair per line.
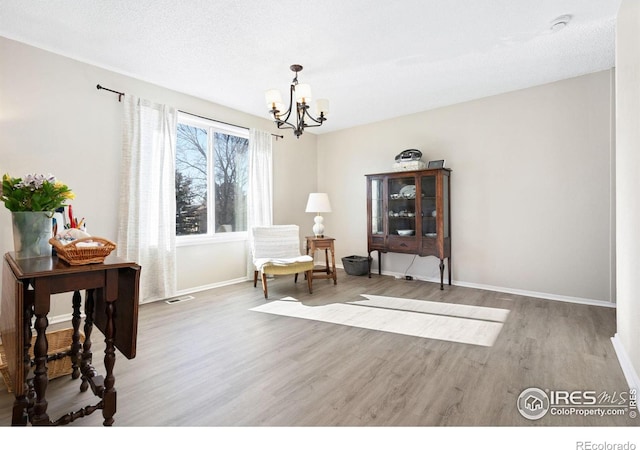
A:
(377, 207)
(429, 206)
(402, 206)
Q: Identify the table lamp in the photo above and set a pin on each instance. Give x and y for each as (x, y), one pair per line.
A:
(318, 202)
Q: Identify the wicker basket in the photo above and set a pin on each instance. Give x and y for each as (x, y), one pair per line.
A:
(76, 255)
(59, 341)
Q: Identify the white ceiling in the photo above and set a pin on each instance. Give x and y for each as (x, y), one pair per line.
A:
(372, 59)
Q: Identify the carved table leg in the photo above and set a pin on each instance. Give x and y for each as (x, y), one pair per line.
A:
(40, 379)
(109, 396)
(87, 356)
(21, 403)
(76, 346)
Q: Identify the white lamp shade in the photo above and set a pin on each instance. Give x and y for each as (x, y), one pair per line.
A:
(273, 97)
(322, 106)
(303, 93)
(318, 202)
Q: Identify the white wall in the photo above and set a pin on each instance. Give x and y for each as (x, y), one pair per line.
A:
(53, 119)
(530, 187)
(628, 187)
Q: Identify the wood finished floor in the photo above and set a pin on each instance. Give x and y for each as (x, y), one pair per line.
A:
(211, 361)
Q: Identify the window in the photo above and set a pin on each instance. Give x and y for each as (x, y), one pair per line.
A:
(211, 177)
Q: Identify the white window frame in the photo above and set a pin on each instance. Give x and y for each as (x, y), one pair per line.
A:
(212, 127)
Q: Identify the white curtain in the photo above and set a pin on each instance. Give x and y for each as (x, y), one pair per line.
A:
(147, 216)
(260, 195)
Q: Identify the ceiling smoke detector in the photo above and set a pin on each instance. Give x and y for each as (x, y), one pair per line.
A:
(559, 23)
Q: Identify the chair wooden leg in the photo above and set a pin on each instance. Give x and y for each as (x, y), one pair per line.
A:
(264, 284)
(255, 278)
(310, 280)
(295, 278)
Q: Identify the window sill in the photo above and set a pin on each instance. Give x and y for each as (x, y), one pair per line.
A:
(186, 241)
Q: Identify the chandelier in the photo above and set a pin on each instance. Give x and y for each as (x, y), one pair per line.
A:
(299, 100)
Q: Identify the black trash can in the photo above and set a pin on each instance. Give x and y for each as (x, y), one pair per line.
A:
(356, 265)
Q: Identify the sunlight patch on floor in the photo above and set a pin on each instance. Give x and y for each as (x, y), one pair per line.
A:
(468, 324)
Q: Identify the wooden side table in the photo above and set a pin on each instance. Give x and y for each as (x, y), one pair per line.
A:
(323, 243)
(111, 304)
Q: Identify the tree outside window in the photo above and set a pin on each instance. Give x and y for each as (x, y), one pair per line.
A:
(211, 178)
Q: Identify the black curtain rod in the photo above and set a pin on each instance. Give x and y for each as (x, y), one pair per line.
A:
(121, 94)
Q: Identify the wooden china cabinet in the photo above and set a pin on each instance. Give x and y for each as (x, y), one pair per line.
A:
(409, 212)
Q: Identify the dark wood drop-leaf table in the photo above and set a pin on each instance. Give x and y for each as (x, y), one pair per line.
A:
(111, 303)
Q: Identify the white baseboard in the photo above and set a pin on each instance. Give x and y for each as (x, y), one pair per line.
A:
(524, 293)
(61, 318)
(625, 363)
(200, 289)
(67, 317)
(542, 295)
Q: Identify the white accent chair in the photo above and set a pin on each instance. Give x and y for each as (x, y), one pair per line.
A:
(276, 251)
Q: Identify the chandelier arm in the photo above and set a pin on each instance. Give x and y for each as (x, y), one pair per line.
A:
(290, 110)
(284, 125)
(319, 120)
(302, 111)
(306, 125)
(280, 122)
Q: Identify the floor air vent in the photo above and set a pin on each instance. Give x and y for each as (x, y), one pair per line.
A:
(184, 298)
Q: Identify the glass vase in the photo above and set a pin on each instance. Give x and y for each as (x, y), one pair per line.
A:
(31, 233)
